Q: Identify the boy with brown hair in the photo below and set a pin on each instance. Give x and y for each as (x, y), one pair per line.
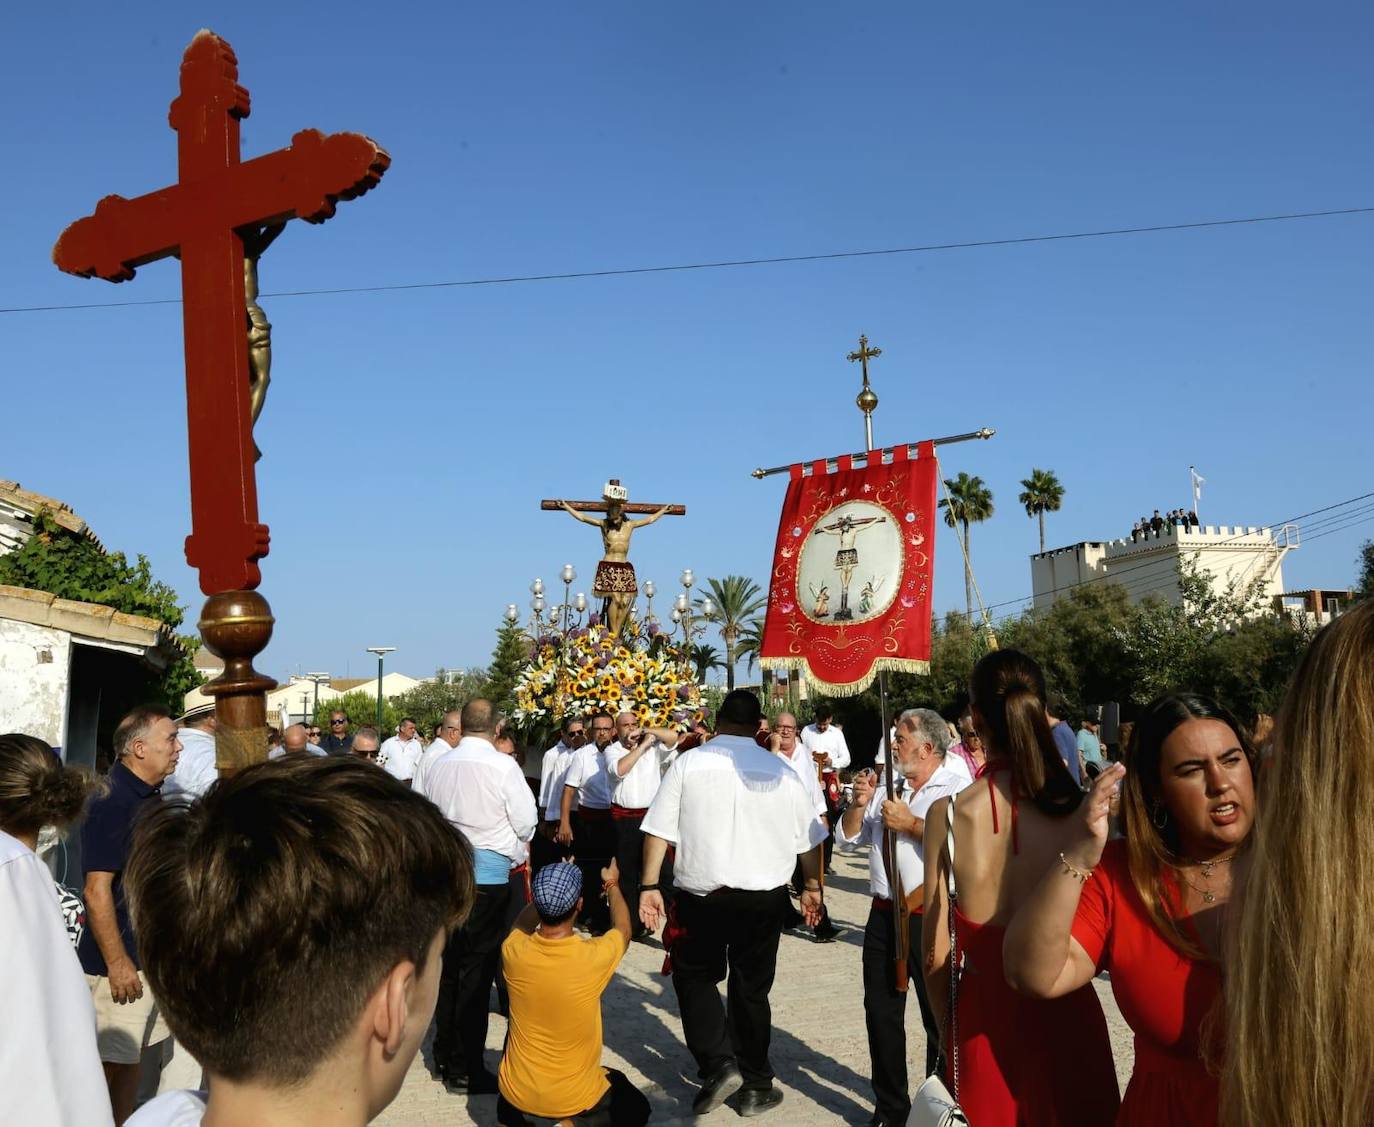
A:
(292, 924)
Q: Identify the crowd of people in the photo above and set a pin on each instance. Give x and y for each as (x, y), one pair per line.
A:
(294, 930)
(1155, 525)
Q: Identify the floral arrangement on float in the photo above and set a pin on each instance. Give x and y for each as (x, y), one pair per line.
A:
(591, 670)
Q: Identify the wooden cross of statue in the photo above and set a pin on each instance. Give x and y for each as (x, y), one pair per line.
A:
(217, 219)
(615, 575)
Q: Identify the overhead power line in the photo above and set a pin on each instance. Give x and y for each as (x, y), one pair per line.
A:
(726, 264)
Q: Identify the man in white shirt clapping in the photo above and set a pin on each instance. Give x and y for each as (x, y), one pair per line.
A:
(634, 766)
(400, 754)
(739, 817)
(919, 741)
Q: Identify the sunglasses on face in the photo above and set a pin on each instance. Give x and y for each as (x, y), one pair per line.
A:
(339, 721)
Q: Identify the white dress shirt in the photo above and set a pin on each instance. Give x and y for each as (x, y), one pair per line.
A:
(738, 815)
(831, 741)
(587, 772)
(555, 770)
(49, 1069)
(440, 747)
(801, 762)
(910, 850)
(180, 1107)
(196, 767)
(485, 795)
(398, 757)
(636, 788)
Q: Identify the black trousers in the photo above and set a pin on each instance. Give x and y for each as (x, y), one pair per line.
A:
(885, 1013)
(470, 963)
(593, 845)
(623, 1105)
(546, 850)
(736, 931)
(629, 856)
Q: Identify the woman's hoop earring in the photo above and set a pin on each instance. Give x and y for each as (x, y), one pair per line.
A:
(1160, 817)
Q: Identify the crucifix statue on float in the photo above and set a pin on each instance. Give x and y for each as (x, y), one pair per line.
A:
(615, 575)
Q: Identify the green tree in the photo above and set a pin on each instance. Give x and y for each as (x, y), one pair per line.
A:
(751, 650)
(704, 659)
(76, 567)
(429, 700)
(1041, 493)
(511, 655)
(969, 503)
(1364, 589)
(361, 709)
(737, 599)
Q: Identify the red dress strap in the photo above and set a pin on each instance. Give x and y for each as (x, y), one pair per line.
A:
(992, 797)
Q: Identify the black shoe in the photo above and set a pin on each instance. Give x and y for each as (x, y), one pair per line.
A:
(474, 1083)
(879, 1120)
(719, 1086)
(755, 1101)
(826, 933)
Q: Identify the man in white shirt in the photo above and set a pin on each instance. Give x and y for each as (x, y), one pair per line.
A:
(783, 742)
(634, 766)
(830, 753)
(545, 849)
(739, 818)
(450, 732)
(401, 752)
(592, 838)
(196, 767)
(918, 747)
(484, 794)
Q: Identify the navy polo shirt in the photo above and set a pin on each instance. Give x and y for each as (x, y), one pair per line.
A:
(104, 848)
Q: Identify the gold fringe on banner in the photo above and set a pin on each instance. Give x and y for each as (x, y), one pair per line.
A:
(852, 688)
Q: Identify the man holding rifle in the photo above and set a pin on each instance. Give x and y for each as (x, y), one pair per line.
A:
(919, 778)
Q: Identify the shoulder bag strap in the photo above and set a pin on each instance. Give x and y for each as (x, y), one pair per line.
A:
(955, 962)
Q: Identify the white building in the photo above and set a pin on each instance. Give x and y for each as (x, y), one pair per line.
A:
(298, 695)
(1244, 560)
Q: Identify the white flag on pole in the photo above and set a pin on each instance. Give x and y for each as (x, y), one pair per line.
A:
(1198, 482)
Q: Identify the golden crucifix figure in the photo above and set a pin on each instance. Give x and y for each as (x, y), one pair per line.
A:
(615, 575)
(259, 327)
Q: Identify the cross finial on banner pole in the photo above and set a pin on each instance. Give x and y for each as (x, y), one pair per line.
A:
(866, 400)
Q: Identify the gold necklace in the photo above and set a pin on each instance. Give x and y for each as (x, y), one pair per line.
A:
(1208, 897)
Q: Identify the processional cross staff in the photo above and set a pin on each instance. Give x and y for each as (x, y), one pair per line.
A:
(218, 219)
(615, 575)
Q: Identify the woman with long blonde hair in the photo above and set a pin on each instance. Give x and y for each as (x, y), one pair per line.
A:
(1300, 980)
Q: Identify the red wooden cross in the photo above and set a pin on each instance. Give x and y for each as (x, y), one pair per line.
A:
(200, 220)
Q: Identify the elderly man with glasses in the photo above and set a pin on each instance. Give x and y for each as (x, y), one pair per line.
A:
(337, 741)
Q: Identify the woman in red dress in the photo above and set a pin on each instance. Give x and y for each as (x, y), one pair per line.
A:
(1150, 908)
(1020, 1060)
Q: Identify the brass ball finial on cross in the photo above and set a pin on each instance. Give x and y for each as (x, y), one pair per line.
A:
(867, 399)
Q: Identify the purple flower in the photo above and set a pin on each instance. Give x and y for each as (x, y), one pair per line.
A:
(685, 692)
(653, 629)
(594, 620)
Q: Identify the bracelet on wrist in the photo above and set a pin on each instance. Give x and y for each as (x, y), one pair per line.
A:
(1080, 875)
(650, 888)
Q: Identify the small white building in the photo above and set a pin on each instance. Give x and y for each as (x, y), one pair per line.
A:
(298, 695)
(1243, 559)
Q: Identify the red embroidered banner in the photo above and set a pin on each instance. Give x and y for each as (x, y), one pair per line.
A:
(852, 569)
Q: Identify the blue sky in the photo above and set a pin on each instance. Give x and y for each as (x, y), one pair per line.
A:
(409, 436)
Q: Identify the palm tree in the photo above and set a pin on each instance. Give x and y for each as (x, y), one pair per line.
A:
(751, 649)
(737, 599)
(1041, 494)
(969, 503)
(704, 659)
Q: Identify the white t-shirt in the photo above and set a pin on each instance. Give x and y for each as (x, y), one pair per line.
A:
(437, 750)
(801, 762)
(195, 768)
(555, 769)
(636, 789)
(831, 741)
(587, 772)
(181, 1108)
(49, 1068)
(485, 795)
(398, 757)
(910, 850)
(738, 815)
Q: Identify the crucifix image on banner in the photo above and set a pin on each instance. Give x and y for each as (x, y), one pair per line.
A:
(852, 568)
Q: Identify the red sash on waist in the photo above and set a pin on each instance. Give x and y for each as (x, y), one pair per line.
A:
(594, 813)
(624, 812)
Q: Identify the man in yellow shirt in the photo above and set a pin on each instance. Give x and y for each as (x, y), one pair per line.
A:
(552, 1064)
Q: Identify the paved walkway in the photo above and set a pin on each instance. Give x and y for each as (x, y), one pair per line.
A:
(819, 1049)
